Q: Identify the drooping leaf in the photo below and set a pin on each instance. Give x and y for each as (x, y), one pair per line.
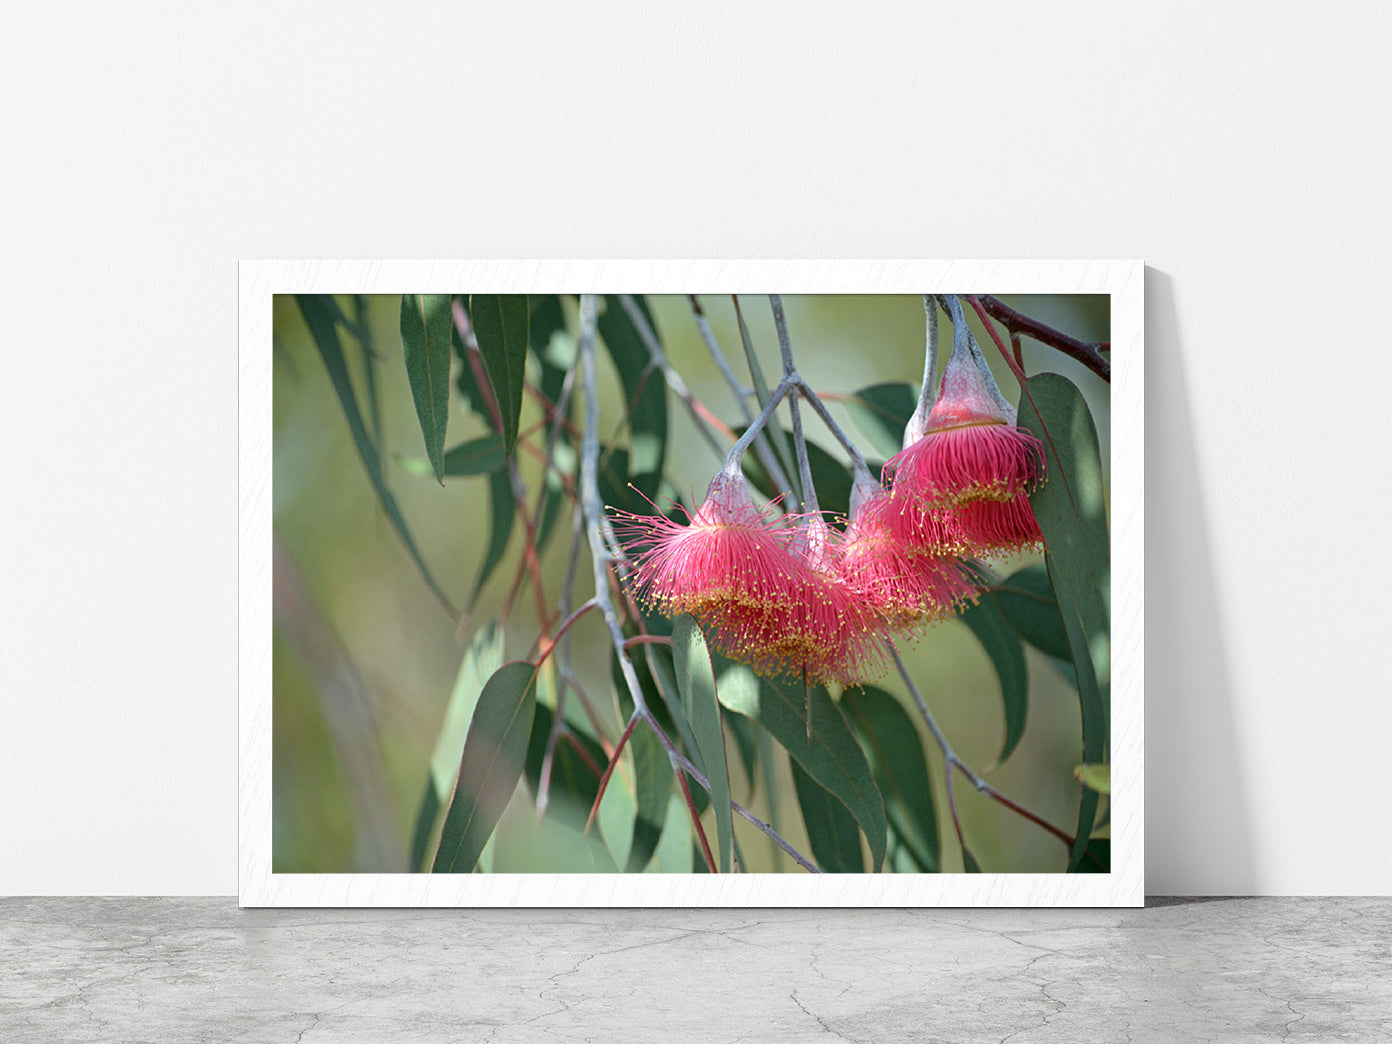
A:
(319, 318)
(645, 392)
(1071, 510)
(696, 680)
(881, 412)
(895, 750)
(427, 328)
(500, 326)
(831, 829)
(494, 755)
(832, 756)
(1027, 600)
(501, 510)
(478, 456)
(653, 778)
(1094, 719)
(782, 447)
(1072, 513)
(481, 660)
(1094, 777)
(1007, 654)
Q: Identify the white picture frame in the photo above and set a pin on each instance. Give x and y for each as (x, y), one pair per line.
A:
(258, 885)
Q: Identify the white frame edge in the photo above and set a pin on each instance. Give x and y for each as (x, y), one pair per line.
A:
(258, 886)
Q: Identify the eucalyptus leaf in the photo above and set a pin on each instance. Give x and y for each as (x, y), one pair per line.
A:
(427, 327)
(1027, 599)
(1071, 509)
(494, 755)
(483, 657)
(831, 829)
(1007, 654)
(501, 329)
(894, 748)
(653, 778)
(832, 756)
(696, 680)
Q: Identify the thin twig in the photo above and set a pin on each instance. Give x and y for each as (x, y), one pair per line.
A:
(772, 834)
(952, 760)
(767, 458)
(790, 374)
(699, 414)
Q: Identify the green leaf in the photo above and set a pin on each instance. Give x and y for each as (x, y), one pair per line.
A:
(502, 508)
(483, 657)
(782, 448)
(1094, 719)
(831, 829)
(476, 457)
(881, 412)
(494, 755)
(1027, 599)
(319, 318)
(696, 680)
(832, 756)
(653, 778)
(1007, 655)
(1072, 514)
(831, 478)
(1095, 777)
(969, 863)
(500, 327)
(427, 327)
(894, 748)
(645, 392)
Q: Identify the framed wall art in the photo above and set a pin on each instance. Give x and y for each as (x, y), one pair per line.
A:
(691, 583)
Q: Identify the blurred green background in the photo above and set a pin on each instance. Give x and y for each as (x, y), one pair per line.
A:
(364, 657)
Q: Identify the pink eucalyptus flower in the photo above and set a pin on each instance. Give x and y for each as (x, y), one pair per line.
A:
(731, 563)
(891, 555)
(969, 450)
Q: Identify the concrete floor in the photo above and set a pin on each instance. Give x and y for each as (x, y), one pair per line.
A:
(172, 970)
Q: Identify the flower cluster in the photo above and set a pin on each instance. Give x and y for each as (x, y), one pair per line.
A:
(790, 594)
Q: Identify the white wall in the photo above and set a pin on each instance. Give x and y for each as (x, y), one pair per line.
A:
(1241, 149)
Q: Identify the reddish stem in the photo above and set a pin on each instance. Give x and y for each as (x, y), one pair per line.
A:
(609, 771)
(696, 821)
(1090, 355)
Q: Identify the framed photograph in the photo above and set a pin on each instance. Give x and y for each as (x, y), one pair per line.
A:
(697, 583)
